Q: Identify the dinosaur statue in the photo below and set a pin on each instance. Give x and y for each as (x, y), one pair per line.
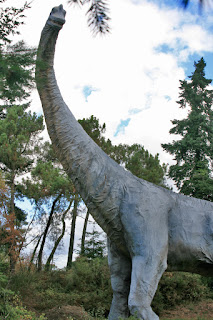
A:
(147, 226)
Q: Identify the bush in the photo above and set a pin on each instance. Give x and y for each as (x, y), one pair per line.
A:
(90, 281)
(10, 305)
(20, 313)
(87, 284)
(177, 288)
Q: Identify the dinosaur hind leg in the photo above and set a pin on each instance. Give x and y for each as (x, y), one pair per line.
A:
(120, 270)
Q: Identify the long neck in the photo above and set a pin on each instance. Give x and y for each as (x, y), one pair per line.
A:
(90, 169)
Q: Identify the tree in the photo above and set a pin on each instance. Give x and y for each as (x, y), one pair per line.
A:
(84, 232)
(96, 131)
(10, 19)
(11, 237)
(72, 231)
(95, 246)
(51, 192)
(58, 240)
(193, 153)
(4, 196)
(19, 135)
(19, 129)
(140, 162)
(17, 61)
(17, 64)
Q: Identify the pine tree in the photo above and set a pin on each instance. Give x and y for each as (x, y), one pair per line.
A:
(19, 132)
(19, 128)
(17, 61)
(193, 153)
(10, 19)
(95, 244)
(51, 192)
(140, 162)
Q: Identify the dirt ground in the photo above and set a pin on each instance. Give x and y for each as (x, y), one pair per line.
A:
(65, 312)
(201, 311)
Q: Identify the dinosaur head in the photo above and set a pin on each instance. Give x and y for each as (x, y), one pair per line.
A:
(57, 17)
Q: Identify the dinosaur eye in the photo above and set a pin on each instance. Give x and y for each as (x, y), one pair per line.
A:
(54, 10)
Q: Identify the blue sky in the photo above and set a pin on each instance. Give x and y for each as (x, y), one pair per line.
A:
(121, 127)
(208, 57)
(87, 90)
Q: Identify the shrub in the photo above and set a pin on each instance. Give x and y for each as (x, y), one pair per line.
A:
(177, 288)
(90, 281)
(20, 313)
(87, 284)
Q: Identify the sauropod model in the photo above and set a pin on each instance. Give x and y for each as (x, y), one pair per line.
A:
(147, 226)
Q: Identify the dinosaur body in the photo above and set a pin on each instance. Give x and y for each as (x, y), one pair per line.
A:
(146, 225)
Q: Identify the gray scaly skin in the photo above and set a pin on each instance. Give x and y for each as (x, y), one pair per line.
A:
(146, 225)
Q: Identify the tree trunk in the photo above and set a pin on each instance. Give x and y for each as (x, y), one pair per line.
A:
(12, 262)
(12, 193)
(34, 252)
(84, 233)
(12, 251)
(72, 233)
(47, 265)
(45, 233)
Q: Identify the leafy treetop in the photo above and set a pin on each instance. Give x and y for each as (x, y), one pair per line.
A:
(193, 153)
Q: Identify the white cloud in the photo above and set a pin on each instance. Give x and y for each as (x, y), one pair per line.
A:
(125, 65)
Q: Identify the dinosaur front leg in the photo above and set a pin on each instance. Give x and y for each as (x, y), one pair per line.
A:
(146, 274)
(120, 270)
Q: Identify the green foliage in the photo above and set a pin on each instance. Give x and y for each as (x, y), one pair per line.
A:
(5, 293)
(96, 131)
(88, 284)
(48, 179)
(18, 312)
(10, 305)
(51, 192)
(193, 153)
(16, 72)
(95, 245)
(10, 19)
(17, 61)
(91, 281)
(18, 135)
(176, 288)
(19, 132)
(141, 163)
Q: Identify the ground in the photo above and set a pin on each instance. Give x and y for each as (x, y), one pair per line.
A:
(67, 312)
(200, 311)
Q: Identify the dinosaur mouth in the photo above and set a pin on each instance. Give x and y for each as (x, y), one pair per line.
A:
(57, 17)
(56, 22)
